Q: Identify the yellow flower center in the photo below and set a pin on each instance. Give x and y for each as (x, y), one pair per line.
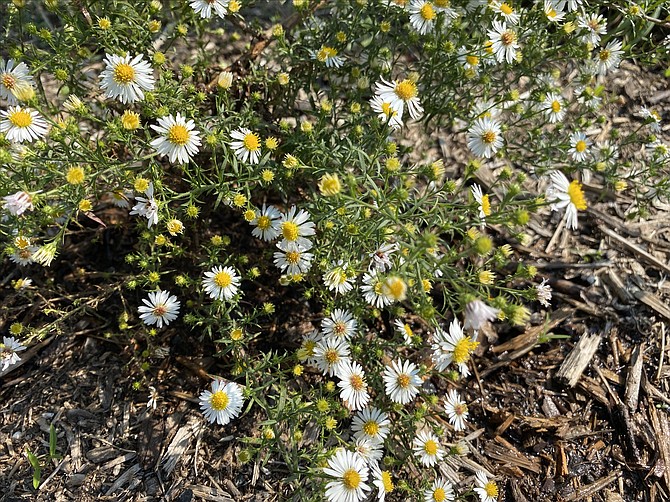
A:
(339, 328)
(293, 257)
(356, 382)
(264, 222)
(20, 118)
(580, 146)
(461, 409)
(124, 74)
(378, 288)
(604, 55)
(387, 482)
(506, 9)
(491, 489)
(551, 13)
(252, 142)
(462, 350)
(408, 330)
(326, 53)
(486, 205)
(508, 37)
(219, 400)
(371, 428)
(8, 81)
(395, 287)
(577, 195)
(351, 479)
(472, 60)
(403, 381)
(427, 12)
(489, 137)
(223, 279)
(289, 230)
(555, 106)
(177, 135)
(159, 311)
(331, 356)
(439, 495)
(406, 89)
(430, 447)
(22, 242)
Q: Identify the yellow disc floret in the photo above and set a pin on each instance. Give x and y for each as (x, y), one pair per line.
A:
(577, 195)
(219, 400)
(124, 74)
(20, 118)
(177, 135)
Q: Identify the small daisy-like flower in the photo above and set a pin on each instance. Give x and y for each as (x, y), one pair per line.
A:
(456, 410)
(381, 257)
(296, 227)
(266, 223)
(427, 448)
(8, 352)
(339, 278)
(22, 124)
(422, 16)
(221, 283)
(383, 481)
(568, 195)
(340, 324)
(307, 347)
(386, 113)
(477, 313)
(402, 381)
(15, 79)
(505, 42)
(330, 354)
(329, 185)
(400, 94)
(24, 256)
(178, 138)
(293, 258)
(595, 26)
(652, 118)
(147, 206)
(440, 491)
(126, 78)
(205, 7)
(152, 402)
(658, 150)
(608, 57)
(354, 391)
(579, 146)
(373, 290)
(482, 200)
(506, 10)
(543, 292)
(484, 137)
(161, 308)
(469, 61)
(405, 330)
(371, 423)
(453, 347)
(394, 288)
(554, 108)
(246, 145)
(223, 403)
(328, 56)
(18, 203)
(485, 488)
(553, 9)
(371, 451)
(350, 474)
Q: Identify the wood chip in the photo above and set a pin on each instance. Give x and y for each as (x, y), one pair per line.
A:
(127, 477)
(652, 260)
(634, 378)
(181, 441)
(588, 490)
(210, 494)
(578, 359)
(659, 422)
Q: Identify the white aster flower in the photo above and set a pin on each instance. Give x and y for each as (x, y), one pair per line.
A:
(147, 207)
(8, 352)
(568, 195)
(205, 7)
(381, 257)
(161, 308)
(440, 491)
(295, 228)
(354, 388)
(24, 256)
(595, 26)
(22, 124)
(652, 118)
(422, 16)
(221, 283)
(505, 42)
(427, 448)
(543, 292)
(330, 355)
(126, 78)
(554, 108)
(402, 381)
(307, 346)
(401, 94)
(506, 10)
(340, 278)
(469, 60)
(266, 223)
(328, 56)
(349, 473)
(178, 138)
(382, 480)
(609, 57)
(394, 288)
(373, 290)
(453, 347)
(371, 451)
(386, 113)
(223, 403)
(371, 423)
(246, 145)
(405, 330)
(487, 490)
(484, 137)
(293, 258)
(477, 313)
(553, 9)
(152, 402)
(482, 200)
(456, 410)
(579, 146)
(18, 203)
(15, 81)
(340, 324)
